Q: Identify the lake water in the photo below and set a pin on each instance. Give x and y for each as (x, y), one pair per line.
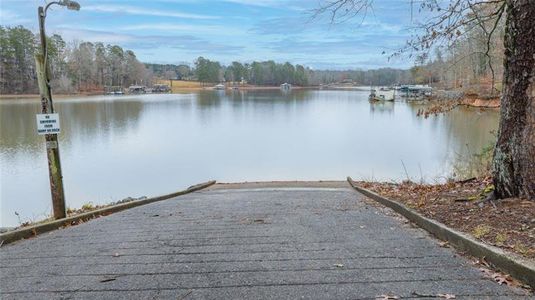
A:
(114, 147)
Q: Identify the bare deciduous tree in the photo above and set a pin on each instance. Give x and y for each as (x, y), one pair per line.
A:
(514, 156)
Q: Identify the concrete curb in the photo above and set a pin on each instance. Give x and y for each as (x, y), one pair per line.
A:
(517, 267)
(279, 184)
(27, 232)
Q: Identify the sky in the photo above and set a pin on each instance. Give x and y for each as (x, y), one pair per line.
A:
(178, 31)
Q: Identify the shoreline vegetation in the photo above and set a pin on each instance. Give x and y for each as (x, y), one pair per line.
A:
(438, 105)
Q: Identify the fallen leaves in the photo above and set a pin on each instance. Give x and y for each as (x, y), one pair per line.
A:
(499, 277)
(483, 262)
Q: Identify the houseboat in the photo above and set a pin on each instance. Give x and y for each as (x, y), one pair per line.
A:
(382, 95)
(137, 89)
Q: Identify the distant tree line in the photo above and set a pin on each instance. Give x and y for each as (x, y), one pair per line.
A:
(257, 73)
(377, 77)
(78, 66)
(170, 71)
(272, 73)
(86, 66)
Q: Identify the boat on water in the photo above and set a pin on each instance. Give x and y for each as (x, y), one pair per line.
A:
(219, 86)
(286, 86)
(382, 94)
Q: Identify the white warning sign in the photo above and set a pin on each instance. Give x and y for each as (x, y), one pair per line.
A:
(47, 123)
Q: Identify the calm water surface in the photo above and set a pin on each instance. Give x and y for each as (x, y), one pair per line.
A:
(115, 147)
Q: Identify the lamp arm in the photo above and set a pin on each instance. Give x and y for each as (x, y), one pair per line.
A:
(47, 6)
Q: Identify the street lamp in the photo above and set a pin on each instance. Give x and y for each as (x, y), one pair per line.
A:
(47, 109)
(72, 5)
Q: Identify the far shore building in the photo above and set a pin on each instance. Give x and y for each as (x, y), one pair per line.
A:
(137, 89)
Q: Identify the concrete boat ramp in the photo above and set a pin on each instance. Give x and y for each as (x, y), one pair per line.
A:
(286, 240)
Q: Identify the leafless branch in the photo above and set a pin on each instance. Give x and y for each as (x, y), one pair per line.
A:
(445, 26)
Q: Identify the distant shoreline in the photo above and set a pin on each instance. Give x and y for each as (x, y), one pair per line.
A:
(466, 101)
(182, 89)
(37, 96)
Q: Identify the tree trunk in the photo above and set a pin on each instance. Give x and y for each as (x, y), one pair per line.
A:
(514, 156)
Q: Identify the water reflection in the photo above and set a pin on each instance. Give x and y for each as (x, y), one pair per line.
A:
(465, 130)
(79, 119)
(383, 107)
(115, 147)
(210, 99)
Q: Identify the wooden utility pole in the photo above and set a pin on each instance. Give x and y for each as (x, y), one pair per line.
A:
(47, 107)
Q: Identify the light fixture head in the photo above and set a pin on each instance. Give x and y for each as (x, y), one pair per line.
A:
(72, 5)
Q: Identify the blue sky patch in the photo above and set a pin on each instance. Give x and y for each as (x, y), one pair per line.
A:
(176, 31)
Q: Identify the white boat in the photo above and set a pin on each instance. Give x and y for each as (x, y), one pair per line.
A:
(219, 87)
(382, 95)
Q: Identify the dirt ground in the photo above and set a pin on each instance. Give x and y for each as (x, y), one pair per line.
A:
(508, 223)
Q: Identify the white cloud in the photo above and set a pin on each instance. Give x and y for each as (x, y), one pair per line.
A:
(133, 10)
(88, 35)
(185, 28)
(263, 3)
(286, 4)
